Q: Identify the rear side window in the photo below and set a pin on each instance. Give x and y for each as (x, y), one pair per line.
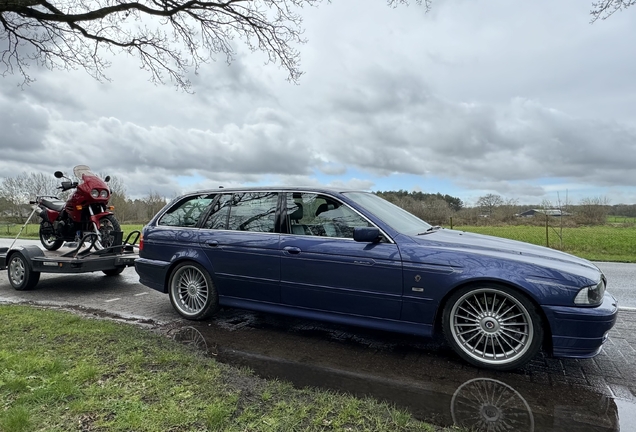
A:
(187, 212)
(253, 211)
(247, 211)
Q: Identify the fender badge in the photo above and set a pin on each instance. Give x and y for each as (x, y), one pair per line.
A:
(418, 278)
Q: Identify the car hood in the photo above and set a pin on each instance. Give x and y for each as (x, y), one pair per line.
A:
(501, 248)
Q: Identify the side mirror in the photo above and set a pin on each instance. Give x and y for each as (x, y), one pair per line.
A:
(58, 174)
(366, 234)
(107, 179)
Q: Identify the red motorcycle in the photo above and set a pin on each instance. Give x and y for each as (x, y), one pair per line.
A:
(86, 211)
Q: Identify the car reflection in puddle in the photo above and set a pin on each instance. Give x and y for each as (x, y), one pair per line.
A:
(480, 404)
(486, 404)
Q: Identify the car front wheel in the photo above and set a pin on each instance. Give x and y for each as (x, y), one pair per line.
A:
(492, 327)
(192, 292)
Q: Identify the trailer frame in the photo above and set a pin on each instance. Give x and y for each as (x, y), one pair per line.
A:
(24, 264)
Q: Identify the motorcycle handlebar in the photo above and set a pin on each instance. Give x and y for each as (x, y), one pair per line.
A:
(67, 185)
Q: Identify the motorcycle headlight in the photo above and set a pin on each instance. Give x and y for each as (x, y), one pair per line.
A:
(104, 193)
(591, 295)
(94, 193)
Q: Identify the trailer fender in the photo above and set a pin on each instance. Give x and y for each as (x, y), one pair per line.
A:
(28, 251)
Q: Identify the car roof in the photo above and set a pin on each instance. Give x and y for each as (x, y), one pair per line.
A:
(319, 189)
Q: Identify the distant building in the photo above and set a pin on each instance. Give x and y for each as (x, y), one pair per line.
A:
(543, 212)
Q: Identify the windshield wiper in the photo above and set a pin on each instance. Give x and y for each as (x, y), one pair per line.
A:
(430, 230)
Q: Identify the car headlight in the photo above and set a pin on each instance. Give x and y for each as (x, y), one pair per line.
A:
(94, 193)
(591, 295)
(104, 193)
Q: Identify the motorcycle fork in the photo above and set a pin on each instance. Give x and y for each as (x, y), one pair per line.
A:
(95, 218)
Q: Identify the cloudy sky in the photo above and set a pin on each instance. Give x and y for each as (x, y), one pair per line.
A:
(522, 99)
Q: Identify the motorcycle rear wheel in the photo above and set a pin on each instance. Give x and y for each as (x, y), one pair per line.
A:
(49, 241)
(107, 225)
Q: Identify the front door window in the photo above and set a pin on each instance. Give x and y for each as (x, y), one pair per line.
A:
(320, 215)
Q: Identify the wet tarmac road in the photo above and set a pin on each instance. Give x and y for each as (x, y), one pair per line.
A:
(422, 376)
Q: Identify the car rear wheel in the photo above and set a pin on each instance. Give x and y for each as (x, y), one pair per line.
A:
(192, 292)
(493, 327)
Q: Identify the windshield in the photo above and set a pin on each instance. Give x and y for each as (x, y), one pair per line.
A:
(80, 170)
(397, 218)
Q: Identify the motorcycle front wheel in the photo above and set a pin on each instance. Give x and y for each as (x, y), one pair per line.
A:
(48, 238)
(108, 225)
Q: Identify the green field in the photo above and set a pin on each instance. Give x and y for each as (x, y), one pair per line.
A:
(596, 243)
(621, 219)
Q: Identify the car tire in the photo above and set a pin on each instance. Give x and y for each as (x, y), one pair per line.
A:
(192, 292)
(492, 326)
(21, 277)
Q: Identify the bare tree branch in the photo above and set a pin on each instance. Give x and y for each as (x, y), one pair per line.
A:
(170, 37)
(606, 8)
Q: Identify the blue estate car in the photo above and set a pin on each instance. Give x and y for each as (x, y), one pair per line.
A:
(351, 257)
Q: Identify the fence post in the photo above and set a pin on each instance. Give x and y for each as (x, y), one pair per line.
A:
(451, 222)
(547, 238)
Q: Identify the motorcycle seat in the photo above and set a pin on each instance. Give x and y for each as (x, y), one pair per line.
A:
(53, 204)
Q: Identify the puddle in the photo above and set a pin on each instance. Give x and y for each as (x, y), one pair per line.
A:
(434, 388)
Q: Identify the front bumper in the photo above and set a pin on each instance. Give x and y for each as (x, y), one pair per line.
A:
(579, 332)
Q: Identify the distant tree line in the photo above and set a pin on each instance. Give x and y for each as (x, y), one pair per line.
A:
(492, 209)
(435, 208)
(454, 203)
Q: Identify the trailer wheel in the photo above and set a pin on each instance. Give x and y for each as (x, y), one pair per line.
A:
(114, 272)
(20, 274)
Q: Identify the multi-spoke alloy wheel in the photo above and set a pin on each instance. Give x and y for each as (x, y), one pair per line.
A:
(192, 292)
(493, 327)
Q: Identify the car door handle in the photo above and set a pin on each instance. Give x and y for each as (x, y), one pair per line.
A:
(292, 250)
(212, 243)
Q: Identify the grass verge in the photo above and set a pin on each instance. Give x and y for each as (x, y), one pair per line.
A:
(61, 372)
